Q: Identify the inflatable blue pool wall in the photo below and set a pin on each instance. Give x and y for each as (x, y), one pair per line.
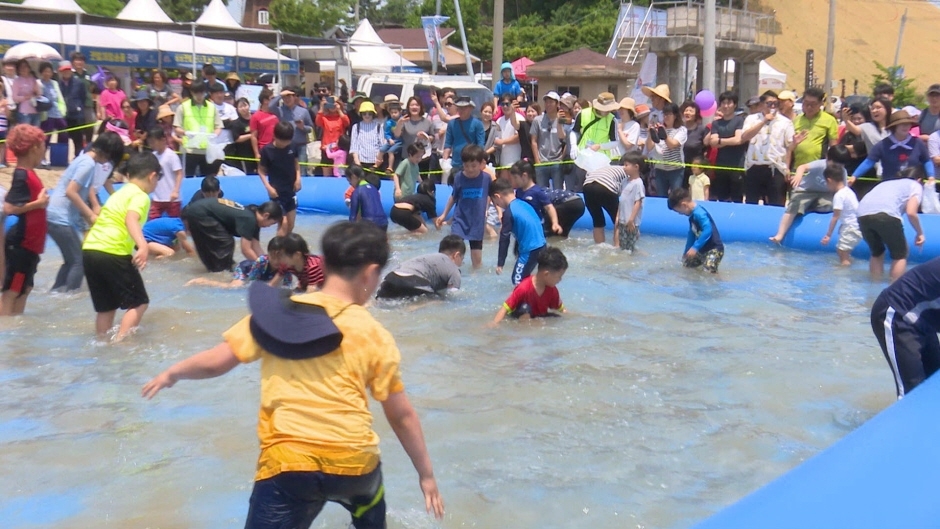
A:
(736, 222)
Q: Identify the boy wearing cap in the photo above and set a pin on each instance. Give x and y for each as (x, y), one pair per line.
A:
(316, 436)
(195, 121)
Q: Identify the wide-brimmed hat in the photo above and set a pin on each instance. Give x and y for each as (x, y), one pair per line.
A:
(642, 110)
(165, 112)
(605, 102)
(232, 76)
(628, 103)
(464, 101)
(188, 76)
(786, 95)
(900, 117)
(142, 95)
(660, 90)
(366, 106)
(391, 98)
(287, 328)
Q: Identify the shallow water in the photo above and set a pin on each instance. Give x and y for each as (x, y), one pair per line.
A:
(662, 396)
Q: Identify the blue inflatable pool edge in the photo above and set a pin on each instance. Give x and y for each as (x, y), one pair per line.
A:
(881, 475)
(736, 222)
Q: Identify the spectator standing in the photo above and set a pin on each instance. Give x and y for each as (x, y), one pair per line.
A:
(210, 77)
(241, 148)
(195, 121)
(367, 138)
(930, 118)
(664, 144)
(727, 137)
(695, 132)
(596, 130)
(548, 144)
(91, 90)
(463, 131)
(159, 91)
(262, 123)
(287, 108)
(769, 138)
(787, 101)
(110, 101)
(334, 124)
(415, 129)
(74, 91)
(26, 88)
(816, 130)
(54, 118)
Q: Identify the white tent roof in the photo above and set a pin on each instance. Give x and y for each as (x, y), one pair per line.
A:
(370, 54)
(144, 11)
(769, 72)
(56, 5)
(103, 37)
(216, 14)
(28, 32)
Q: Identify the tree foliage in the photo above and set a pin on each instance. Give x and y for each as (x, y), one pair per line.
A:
(105, 8)
(904, 91)
(309, 17)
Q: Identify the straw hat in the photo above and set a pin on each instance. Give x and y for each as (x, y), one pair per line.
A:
(900, 117)
(605, 102)
(628, 103)
(232, 76)
(660, 90)
(165, 112)
(786, 95)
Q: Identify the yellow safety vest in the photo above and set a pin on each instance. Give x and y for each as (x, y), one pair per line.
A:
(198, 119)
(598, 133)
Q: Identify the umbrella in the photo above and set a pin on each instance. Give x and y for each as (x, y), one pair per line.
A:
(32, 50)
(519, 67)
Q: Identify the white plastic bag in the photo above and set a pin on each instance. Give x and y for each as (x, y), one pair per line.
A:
(446, 165)
(931, 202)
(215, 151)
(591, 160)
(228, 170)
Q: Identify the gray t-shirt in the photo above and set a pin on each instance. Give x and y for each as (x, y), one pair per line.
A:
(814, 178)
(438, 269)
(410, 130)
(890, 197)
(545, 133)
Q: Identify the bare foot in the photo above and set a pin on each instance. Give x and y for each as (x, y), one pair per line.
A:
(775, 239)
(846, 263)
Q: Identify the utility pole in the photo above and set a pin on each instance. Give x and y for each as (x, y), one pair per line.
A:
(437, 52)
(497, 40)
(708, 52)
(830, 49)
(463, 37)
(356, 12)
(897, 51)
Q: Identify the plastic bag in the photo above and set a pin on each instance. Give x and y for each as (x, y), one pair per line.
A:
(446, 165)
(215, 151)
(590, 160)
(228, 170)
(931, 202)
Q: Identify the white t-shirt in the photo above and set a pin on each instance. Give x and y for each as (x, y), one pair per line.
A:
(632, 193)
(890, 197)
(846, 202)
(510, 153)
(631, 129)
(169, 164)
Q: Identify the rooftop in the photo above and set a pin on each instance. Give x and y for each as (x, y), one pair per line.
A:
(409, 38)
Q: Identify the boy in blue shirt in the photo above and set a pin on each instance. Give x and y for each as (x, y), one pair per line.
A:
(166, 235)
(521, 174)
(279, 171)
(392, 145)
(469, 200)
(520, 220)
(365, 203)
(703, 246)
(507, 85)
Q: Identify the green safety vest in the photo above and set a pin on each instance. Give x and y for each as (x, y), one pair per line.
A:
(598, 133)
(198, 119)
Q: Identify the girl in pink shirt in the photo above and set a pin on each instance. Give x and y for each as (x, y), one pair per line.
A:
(25, 88)
(338, 152)
(109, 101)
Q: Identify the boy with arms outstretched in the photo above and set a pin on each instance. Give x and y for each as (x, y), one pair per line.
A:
(317, 442)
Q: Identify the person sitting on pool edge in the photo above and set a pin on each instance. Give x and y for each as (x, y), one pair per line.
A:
(427, 274)
(703, 247)
(316, 436)
(538, 293)
(519, 220)
(810, 192)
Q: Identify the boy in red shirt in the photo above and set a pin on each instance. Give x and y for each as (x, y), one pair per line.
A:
(27, 199)
(537, 294)
(262, 123)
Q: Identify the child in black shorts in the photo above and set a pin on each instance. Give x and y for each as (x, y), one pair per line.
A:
(112, 267)
(28, 200)
(279, 171)
(408, 210)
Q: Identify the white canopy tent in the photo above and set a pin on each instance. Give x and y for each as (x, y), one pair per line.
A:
(68, 6)
(144, 11)
(369, 54)
(770, 77)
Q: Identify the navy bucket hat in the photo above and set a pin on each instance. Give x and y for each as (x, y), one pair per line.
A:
(288, 329)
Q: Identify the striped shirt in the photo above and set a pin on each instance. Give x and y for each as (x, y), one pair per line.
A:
(367, 139)
(611, 177)
(312, 276)
(673, 155)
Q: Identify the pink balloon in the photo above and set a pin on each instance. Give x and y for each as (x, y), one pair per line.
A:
(709, 112)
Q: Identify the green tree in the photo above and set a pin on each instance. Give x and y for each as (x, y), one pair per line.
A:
(309, 17)
(904, 91)
(393, 13)
(183, 10)
(105, 8)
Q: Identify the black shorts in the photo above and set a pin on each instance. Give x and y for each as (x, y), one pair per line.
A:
(288, 202)
(476, 245)
(599, 199)
(882, 230)
(21, 269)
(568, 213)
(113, 281)
(214, 244)
(396, 286)
(408, 218)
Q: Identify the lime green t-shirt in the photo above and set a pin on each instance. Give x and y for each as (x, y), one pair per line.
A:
(109, 233)
(822, 129)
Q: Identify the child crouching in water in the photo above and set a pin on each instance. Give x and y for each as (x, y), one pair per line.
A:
(295, 259)
(112, 267)
(265, 268)
(537, 294)
(844, 208)
(703, 247)
(365, 202)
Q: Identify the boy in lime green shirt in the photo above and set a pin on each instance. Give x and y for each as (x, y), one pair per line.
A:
(112, 268)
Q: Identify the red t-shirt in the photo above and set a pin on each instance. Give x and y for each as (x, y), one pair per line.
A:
(313, 272)
(263, 123)
(29, 232)
(333, 126)
(525, 293)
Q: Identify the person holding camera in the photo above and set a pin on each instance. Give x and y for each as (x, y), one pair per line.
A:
(664, 143)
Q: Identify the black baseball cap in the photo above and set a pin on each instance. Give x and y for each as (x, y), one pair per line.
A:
(934, 89)
(289, 329)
